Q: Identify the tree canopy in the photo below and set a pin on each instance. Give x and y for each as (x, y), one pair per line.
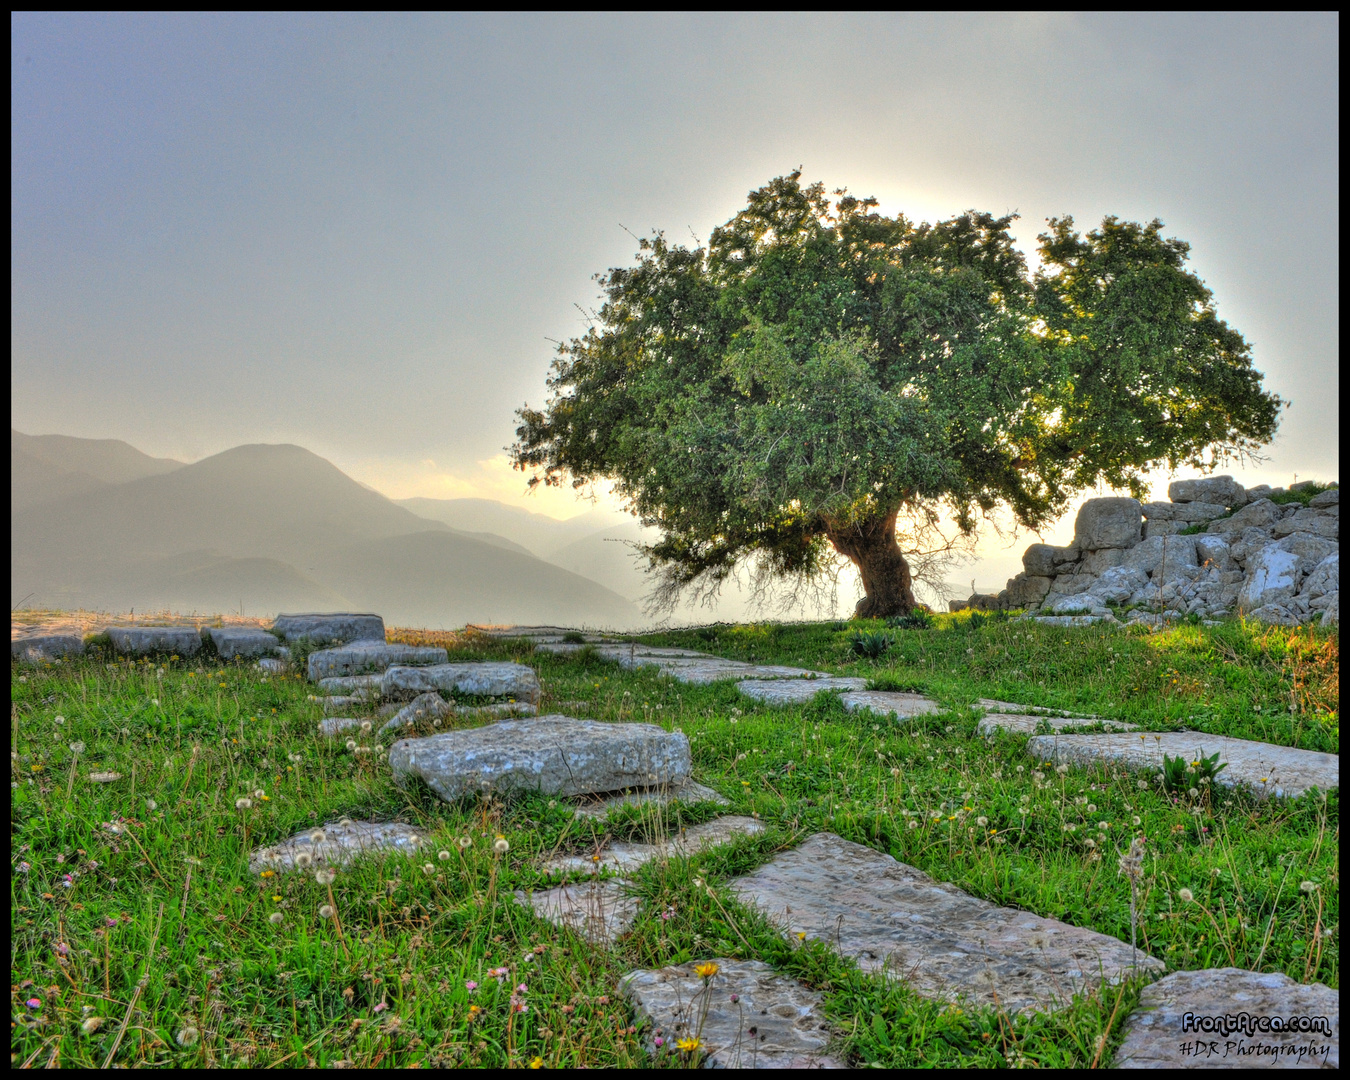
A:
(819, 371)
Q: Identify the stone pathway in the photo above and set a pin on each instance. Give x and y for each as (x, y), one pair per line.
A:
(746, 1016)
(625, 857)
(338, 844)
(1158, 1037)
(499, 679)
(685, 791)
(896, 920)
(600, 910)
(1263, 768)
(364, 657)
(1028, 723)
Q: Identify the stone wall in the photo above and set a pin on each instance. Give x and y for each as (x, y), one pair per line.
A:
(1277, 562)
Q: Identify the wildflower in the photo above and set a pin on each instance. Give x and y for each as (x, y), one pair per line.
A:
(1193, 793)
(303, 859)
(464, 842)
(913, 824)
(801, 935)
(706, 970)
(366, 727)
(500, 846)
(1308, 886)
(1136, 821)
(659, 1041)
(470, 986)
(325, 877)
(351, 745)
(1090, 843)
(34, 1003)
(318, 836)
(982, 822)
(243, 803)
(150, 804)
(443, 856)
(59, 719)
(326, 912)
(537, 1063)
(91, 1024)
(268, 873)
(1092, 808)
(188, 1036)
(1142, 785)
(1186, 895)
(381, 1006)
(260, 794)
(689, 1045)
(1103, 825)
(895, 772)
(275, 918)
(428, 869)
(1061, 769)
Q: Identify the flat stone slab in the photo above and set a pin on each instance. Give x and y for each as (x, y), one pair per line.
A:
(615, 651)
(502, 679)
(366, 657)
(335, 628)
(348, 684)
(886, 702)
(555, 755)
(944, 943)
(699, 672)
(1028, 723)
(1263, 768)
(1159, 1036)
(343, 702)
(273, 665)
(690, 791)
(599, 910)
(338, 845)
(993, 705)
(423, 707)
(751, 1016)
(626, 857)
(795, 691)
(534, 633)
(333, 726)
(46, 647)
(1072, 620)
(244, 643)
(147, 640)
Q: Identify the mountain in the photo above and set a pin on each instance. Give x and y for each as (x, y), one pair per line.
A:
(277, 527)
(539, 533)
(609, 557)
(47, 467)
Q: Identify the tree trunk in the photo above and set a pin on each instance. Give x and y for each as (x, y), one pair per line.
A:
(871, 545)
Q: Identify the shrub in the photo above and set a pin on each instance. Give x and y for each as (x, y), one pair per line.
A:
(870, 643)
(1180, 774)
(918, 619)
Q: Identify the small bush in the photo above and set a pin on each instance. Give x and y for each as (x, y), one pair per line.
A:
(574, 637)
(1180, 775)
(870, 643)
(918, 619)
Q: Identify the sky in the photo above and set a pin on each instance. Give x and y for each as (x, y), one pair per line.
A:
(362, 233)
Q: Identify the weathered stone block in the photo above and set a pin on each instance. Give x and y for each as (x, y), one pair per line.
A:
(598, 910)
(492, 679)
(1261, 514)
(1118, 584)
(1039, 560)
(1272, 578)
(889, 703)
(1194, 512)
(1326, 499)
(663, 795)
(370, 656)
(1158, 1035)
(1162, 528)
(1317, 522)
(147, 640)
(46, 647)
(555, 755)
(1148, 554)
(795, 691)
(943, 942)
(1211, 489)
(1095, 562)
(1026, 589)
(1211, 550)
(336, 628)
(240, 643)
(747, 1016)
(1074, 604)
(1113, 522)
(1263, 768)
(625, 857)
(338, 845)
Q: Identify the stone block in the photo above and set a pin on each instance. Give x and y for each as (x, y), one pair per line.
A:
(490, 679)
(1026, 589)
(40, 648)
(1212, 551)
(1073, 604)
(554, 755)
(1263, 768)
(350, 684)
(1272, 578)
(795, 691)
(1075, 620)
(366, 657)
(1039, 560)
(1261, 514)
(1310, 549)
(599, 910)
(244, 643)
(889, 703)
(334, 628)
(423, 707)
(1323, 580)
(1161, 1027)
(338, 844)
(1094, 562)
(1162, 528)
(1326, 499)
(1223, 490)
(149, 640)
(1317, 522)
(1119, 583)
(1029, 723)
(1195, 512)
(1072, 584)
(626, 857)
(747, 1016)
(1148, 554)
(1113, 522)
(663, 795)
(944, 943)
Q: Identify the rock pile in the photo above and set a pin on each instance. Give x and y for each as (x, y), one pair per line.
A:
(1277, 562)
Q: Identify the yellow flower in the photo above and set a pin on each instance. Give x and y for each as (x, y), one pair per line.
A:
(689, 1045)
(268, 873)
(706, 970)
(537, 1063)
(801, 935)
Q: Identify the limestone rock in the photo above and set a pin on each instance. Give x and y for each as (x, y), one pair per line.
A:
(1325, 499)
(1039, 560)
(747, 1016)
(1212, 489)
(795, 691)
(1107, 523)
(349, 684)
(45, 647)
(618, 651)
(491, 679)
(1072, 584)
(1310, 549)
(1275, 615)
(1323, 580)
(370, 656)
(1263, 768)
(889, 703)
(1158, 1033)
(337, 628)
(1148, 554)
(1027, 589)
(1028, 723)
(1319, 523)
(555, 755)
(687, 791)
(338, 845)
(1213, 551)
(333, 726)
(273, 665)
(700, 672)
(1095, 562)
(1194, 512)
(1261, 514)
(147, 640)
(1075, 620)
(239, 643)
(1118, 584)
(942, 942)
(1154, 529)
(1081, 602)
(1272, 578)
(598, 910)
(1331, 616)
(625, 857)
(423, 707)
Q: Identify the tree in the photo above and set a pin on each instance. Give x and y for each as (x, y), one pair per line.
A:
(821, 371)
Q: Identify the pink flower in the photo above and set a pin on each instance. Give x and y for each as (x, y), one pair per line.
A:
(470, 986)
(381, 1007)
(34, 1003)
(522, 989)
(659, 1041)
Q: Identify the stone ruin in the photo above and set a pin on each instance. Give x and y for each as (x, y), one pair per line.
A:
(1215, 548)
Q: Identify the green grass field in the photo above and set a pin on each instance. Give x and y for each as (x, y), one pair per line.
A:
(140, 937)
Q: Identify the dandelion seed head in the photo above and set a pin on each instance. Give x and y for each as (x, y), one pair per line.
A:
(325, 877)
(318, 836)
(501, 846)
(1186, 896)
(1308, 886)
(351, 745)
(326, 912)
(77, 747)
(275, 918)
(260, 794)
(428, 869)
(187, 1036)
(464, 842)
(243, 803)
(303, 859)
(366, 727)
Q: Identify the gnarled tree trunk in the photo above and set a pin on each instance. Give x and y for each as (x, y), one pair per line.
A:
(871, 545)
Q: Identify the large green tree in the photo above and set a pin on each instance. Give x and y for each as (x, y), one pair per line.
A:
(820, 372)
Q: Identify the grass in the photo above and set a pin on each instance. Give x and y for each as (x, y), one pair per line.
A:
(139, 936)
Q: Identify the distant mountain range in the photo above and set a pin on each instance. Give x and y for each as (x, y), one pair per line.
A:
(97, 524)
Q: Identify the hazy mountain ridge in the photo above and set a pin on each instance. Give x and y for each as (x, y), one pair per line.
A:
(270, 528)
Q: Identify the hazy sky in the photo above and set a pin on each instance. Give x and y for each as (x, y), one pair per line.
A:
(358, 233)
